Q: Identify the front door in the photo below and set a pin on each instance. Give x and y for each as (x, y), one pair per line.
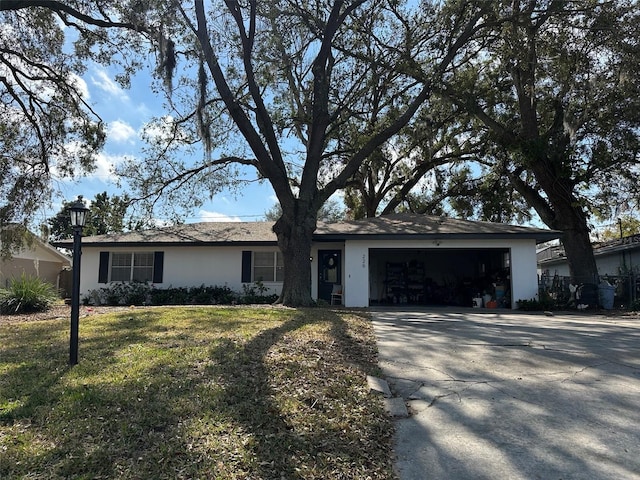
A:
(329, 272)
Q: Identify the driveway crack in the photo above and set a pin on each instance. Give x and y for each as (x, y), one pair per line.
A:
(582, 370)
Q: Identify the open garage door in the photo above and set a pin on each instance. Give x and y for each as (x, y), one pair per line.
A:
(440, 276)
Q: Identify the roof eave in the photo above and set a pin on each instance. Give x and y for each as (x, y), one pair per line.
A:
(539, 237)
(170, 244)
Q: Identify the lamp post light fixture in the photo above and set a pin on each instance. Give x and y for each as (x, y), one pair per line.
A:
(78, 212)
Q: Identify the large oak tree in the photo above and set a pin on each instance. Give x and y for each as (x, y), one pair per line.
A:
(291, 76)
(556, 96)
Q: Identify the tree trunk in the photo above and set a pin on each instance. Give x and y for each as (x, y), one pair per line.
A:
(561, 210)
(582, 264)
(294, 240)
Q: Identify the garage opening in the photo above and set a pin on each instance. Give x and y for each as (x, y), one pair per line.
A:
(456, 277)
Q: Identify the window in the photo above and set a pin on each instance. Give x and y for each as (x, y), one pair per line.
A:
(268, 267)
(130, 266)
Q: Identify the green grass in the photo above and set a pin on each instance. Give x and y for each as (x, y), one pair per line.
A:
(211, 393)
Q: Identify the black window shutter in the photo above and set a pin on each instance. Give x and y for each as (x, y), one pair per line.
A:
(246, 266)
(158, 266)
(103, 269)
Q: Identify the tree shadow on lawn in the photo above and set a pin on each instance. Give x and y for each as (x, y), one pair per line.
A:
(271, 405)
(59, 419)
(292, 400)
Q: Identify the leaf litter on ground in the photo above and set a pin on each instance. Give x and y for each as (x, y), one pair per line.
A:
(220, 393)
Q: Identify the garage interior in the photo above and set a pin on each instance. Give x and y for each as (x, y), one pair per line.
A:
(448, 277)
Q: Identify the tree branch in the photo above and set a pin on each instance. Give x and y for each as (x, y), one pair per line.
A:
(61, 7)
(267, 167)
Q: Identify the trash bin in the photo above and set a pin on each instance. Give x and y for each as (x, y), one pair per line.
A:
(607, 295)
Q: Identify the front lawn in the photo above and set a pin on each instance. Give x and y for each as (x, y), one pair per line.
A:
(211, 393)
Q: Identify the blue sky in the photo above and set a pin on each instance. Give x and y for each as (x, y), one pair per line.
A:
(125, 113)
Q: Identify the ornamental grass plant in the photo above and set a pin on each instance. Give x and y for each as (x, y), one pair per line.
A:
(27, 294)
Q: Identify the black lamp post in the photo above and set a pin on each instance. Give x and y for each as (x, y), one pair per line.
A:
(78, 213)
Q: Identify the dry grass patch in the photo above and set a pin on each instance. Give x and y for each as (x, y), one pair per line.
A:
(217, 393)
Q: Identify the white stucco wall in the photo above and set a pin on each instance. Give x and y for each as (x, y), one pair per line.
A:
(524, 280)
(221, 266)
(356, 267)
(183, 267)
(524, 275)
(610, 264)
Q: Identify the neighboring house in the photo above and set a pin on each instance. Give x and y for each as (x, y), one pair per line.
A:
(392, 259)
(39, 259)
(613, 258)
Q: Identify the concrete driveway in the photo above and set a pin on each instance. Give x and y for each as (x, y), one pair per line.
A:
(507, 395)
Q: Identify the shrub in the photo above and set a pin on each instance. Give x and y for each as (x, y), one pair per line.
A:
(256, 294)
(137, 293)
(634, 306)
(134, 293)
(211, 295)
(26, 295)
(223, 295)
(534, 305)
(170, 296)
(544, 302)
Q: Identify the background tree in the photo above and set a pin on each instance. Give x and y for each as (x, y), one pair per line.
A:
(106, 215)
(468, 190)
(625, 227)
(332, 211)
(415, 170)
(556, 98)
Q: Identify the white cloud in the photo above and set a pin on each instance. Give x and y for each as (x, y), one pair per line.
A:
(80, 85)
(105, 164)
(207, 216)
(143, 110)
(121, 132)
(103, 82)
(159, 223)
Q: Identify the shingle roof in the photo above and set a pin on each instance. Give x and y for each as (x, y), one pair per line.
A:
(556, 253)
(397, 226)
(409, 225)
(205, 233)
